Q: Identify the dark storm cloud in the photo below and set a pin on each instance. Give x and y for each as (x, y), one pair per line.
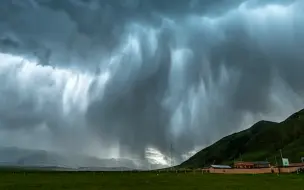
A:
(137, 74)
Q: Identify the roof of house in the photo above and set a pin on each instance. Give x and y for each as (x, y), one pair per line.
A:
(252, 163)
(221, 166)
(244, 163)
(261, 162)
(296, 164)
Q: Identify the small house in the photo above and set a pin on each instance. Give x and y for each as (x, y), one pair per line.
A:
(250, 165)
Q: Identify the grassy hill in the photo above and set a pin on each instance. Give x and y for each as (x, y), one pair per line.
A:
(261, 142)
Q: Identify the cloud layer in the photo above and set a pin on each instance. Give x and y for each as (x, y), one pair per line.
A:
(117, 78)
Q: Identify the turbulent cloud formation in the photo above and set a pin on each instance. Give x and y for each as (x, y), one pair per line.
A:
(118, 78)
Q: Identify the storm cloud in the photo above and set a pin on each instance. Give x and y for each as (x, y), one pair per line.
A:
(118, 78)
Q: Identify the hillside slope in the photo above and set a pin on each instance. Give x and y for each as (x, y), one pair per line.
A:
(262, 141)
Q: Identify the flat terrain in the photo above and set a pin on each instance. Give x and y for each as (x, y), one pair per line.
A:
(145, 181)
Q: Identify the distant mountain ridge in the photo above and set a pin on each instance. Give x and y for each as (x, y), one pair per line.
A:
(261, 142)
(17, 157)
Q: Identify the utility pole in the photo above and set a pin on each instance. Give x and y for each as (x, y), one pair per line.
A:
(281, 159)
(171, 160)
(213, 162)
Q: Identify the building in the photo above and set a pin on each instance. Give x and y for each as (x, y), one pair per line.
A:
(249, 165)
(243, 165)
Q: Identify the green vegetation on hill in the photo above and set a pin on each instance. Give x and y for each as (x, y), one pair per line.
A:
(261, 142)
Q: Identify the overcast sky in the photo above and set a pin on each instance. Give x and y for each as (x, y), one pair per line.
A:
(119, 78)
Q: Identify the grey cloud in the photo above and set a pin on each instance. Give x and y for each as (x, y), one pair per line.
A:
(129, 75)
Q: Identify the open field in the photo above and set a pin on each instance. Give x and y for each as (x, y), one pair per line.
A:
(145, 181)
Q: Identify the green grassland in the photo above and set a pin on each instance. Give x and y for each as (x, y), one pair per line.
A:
(145, 180)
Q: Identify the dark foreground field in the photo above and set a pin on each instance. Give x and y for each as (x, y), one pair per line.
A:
(145, 181)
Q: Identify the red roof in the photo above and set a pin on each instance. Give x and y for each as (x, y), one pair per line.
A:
(244, 163)
(296, 164)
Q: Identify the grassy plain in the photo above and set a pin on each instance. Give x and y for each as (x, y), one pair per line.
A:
(24, 180)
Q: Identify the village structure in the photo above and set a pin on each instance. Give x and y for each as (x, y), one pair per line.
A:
(257, 167)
